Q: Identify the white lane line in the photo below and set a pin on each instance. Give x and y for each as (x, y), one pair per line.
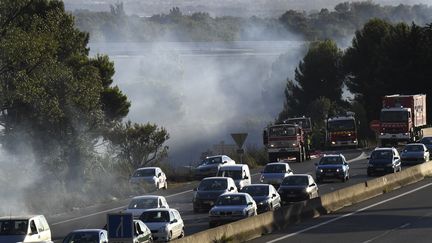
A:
(110, 210)
(347, 215)
(387, 232)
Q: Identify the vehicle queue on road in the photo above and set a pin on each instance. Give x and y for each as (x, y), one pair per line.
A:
(219, 195)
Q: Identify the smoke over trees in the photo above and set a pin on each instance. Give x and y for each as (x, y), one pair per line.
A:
(55, 99)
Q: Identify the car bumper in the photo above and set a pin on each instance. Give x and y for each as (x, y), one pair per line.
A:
(330, 175)
(262, 208)
(380, 170)
(408, 160)
(160, 236)
(294, 197)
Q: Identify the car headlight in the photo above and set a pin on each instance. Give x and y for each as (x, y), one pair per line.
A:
(321, 170)
(337, 170)
(213, 213)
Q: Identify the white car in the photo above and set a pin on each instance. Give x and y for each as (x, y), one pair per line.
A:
(165, 223)
(141, 203)
(152, 177)
(30, 228)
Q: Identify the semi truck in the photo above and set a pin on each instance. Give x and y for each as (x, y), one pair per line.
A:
(402, 118)
(284, 140)
(341, 131)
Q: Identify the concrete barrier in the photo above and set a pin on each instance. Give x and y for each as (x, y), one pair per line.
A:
(265, 223)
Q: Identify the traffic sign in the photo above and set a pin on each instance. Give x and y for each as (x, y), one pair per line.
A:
(120, 227)
(239, 138)
(375, 125)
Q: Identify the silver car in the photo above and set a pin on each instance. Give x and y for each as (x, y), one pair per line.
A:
(165, 223)
(415, 153)
(140, 203)
(210, 165)
(274, 173)
(150, 178)
(265, 196)
(230, 207)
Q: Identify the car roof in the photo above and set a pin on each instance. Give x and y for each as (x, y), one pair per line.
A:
(277, 163)
(19, 217)
(146, 197)
(414, 144)
(214, 156)
(333, 155)
(145, 168)
(235, 194)
(236, 166)
(159, 209)
(258, 184)
(216, 177)
(384, 148)
(87, 230)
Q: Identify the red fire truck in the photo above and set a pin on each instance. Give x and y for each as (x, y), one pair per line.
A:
(342, 131)
(284, 140)
(402, 118)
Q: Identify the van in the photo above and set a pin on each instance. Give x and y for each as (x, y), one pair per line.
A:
(239, 173)
(31, 228)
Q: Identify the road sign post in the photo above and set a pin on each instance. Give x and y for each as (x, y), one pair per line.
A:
(239, 139)
(120, 227)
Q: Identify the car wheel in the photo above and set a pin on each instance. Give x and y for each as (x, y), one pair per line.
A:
(150, 240)
(157, 186)
(165, 185)
(169, 236)
(182, 234)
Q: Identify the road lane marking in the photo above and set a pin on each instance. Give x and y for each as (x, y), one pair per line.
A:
(110, 210)
(387, 232)
(348, 214)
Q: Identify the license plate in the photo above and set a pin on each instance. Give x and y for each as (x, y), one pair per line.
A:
(291, 195)
(379, 168)
(329, 174)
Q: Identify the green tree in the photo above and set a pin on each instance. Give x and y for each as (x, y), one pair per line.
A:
(51, 90)
(139, 145)
(318, 75)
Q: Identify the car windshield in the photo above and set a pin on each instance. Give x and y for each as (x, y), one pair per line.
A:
(341, 125)
(278, 168)
(143, 203)
(383, 154)
(212, 160)
(82, 237)
(256, 190)
(426, 140)
(13, 227)
(331, 160)
(231, 200)
(212, 185)
(235, 174)
(144, 173)
(394, 116)
(295, 181)
(414, 148)
(155, 216)
(278, 131)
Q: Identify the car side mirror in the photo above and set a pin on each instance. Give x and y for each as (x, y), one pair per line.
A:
(290, 170)
(174, 221)
(245, 177)
(224, 162)
(345, 163)
(311, 185)
(159, 174)
(273, 195)
(231, 189)
(250, 203)
(396, 158)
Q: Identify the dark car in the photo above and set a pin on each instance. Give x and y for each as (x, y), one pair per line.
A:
(427, 141)
(298, 187)
(415, 153)
(384, 160)
(265, 196)
(209, 190)
(332, 167)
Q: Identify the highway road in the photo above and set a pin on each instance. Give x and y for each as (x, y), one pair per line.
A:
(403, 215)
(181, 199)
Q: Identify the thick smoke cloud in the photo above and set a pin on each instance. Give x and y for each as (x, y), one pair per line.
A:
(202, 92)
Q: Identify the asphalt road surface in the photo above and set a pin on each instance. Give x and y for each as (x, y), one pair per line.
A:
(400, 216)
(180, 198)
